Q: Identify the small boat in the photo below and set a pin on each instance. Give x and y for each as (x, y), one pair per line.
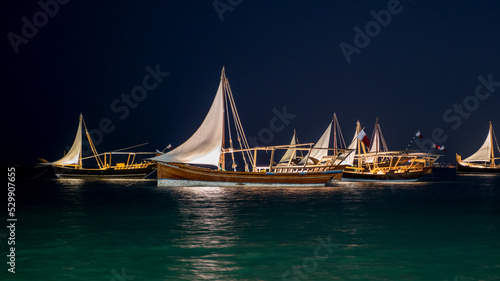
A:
(70, 165)
(483, 161)
(377, 163)
(201, 160)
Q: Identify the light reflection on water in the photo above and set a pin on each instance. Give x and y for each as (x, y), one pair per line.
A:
(214, 217)
(70, 183)
(207, 218)
(256, 233)
(207, 222)
(208, 267)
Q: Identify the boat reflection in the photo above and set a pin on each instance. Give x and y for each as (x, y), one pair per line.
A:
(207, 222)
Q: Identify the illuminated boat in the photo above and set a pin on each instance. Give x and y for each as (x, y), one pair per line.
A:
(377, 163)
(201, 160)
(71, 164)
(483, 161)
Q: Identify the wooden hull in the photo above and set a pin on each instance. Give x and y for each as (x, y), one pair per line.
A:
(110, 173)
(389, 176)
(468, 169)
(174, 174)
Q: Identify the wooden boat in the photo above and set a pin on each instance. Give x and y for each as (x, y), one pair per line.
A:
(176, 174)
(483, 161)
(71, 164)
(377, 163)
(187, 164)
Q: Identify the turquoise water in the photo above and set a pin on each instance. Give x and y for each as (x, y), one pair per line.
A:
(446, 227)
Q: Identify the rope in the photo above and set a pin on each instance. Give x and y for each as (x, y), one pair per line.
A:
(229, 127)
(239, 127)
(341, 135)
(134, 146)
(496, 141)
(382, 138)
(238, 135)
(98, 159)
(142, 178)
(40, 174)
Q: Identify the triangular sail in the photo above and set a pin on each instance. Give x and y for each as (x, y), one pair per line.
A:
(323, 142)
(73, 155)
(291, 152)
(378, 143)
(375, 143)
(484, 153)
(349, 160)
(205, 145)
(375, 147)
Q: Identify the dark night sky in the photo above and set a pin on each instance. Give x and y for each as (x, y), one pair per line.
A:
(276, 54)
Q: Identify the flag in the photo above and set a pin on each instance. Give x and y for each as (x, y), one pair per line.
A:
(364, 138)
(439, 147)
(419, 135)
(169, 147)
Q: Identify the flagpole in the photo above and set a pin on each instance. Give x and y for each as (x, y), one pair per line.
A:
(410, 143)
(419, 135)
(430, 150)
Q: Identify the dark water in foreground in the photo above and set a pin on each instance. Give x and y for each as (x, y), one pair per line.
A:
(442, 228)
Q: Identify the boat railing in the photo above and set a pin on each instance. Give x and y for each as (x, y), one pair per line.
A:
(326, 163)
(482, 164)
(107, 157)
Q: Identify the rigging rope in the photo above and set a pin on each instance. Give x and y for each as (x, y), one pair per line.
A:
(239, 127)
(496, 141)
(229, 127)
(92, 147)
(340, 132)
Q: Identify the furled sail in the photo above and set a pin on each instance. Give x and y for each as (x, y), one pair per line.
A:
(291, 152)
(73, 155)
(204, 146)
(484, 153)
(323, 142)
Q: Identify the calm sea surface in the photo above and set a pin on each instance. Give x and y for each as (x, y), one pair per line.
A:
(444, 227)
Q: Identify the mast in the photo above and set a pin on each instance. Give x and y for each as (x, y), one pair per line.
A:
(92, 147)
(334, 134)
(361, 145)
(80, 157)
(378, 141)
(223, 155)
(492, 165)
(375, 146)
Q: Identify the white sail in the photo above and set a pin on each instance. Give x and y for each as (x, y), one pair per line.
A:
(290, 153)
(323, 142)
(484, 153)
(349, 160)
(205, 145)
(73, 155)
(378, 143)
(375, 147)
(375, 143)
